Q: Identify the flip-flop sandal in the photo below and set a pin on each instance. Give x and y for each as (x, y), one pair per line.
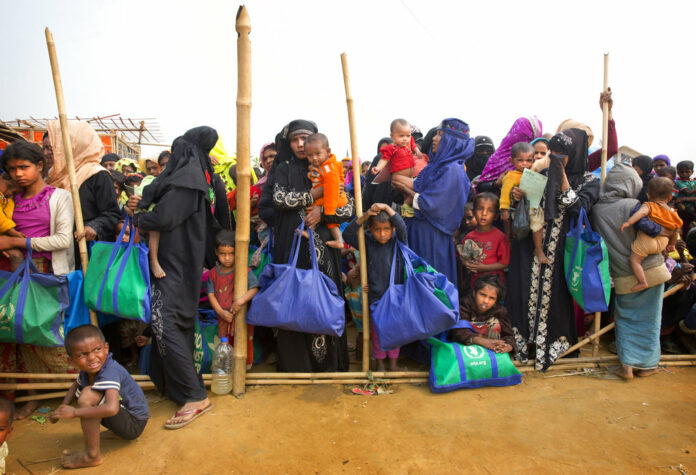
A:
(196, 414)
(364, 392)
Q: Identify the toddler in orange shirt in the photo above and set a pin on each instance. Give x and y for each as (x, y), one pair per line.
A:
(657, 210)
(325, 171)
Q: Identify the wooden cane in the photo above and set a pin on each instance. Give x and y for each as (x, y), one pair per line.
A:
(605, 121)
(241, 237)
(69, 162)
(596, 325)
(358, 213)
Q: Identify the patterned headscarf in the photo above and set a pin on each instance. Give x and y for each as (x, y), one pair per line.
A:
(525, 129)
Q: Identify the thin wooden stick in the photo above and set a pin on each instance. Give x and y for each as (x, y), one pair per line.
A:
(70, 163)
(594, 336)
(243, 27)
(40, 396)
(605, 121)
(358, 214)
(597, 325)
(267, 382)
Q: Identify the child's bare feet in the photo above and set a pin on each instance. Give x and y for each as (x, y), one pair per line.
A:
(156, 269)
(625, 372)
(644, 373)
(393, 365)
(26, 410)
(335, 243)
(541, 257)
(639, 286)
(305, 234)
(80, 459)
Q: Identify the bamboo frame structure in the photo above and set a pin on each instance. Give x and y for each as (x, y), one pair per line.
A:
(403, 377)
(358, 213)
(70, 163)
(243, 27)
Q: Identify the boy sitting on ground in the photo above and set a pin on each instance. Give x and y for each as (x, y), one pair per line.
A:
(106, 394)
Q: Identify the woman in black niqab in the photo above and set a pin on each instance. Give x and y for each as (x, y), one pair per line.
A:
(644, 166)
(284, 201)
(183, 196)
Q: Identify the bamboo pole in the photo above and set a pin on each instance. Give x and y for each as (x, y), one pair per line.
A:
(70, 163)
(358, 212)
(243, 27)
(605, 121)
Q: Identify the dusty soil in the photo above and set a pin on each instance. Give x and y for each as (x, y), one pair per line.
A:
(560, 424)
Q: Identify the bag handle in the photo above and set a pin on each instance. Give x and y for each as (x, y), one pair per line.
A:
(312, 251)
(408, 265)
(581, 219)
(296, 243)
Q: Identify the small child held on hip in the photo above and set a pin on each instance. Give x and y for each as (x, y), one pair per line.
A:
(106, 394)
(656, 208)
(8, 188)
(400, 156)
(489, 319)
(522, 157)
(325, 171)
(7, 412)
(492, 242)
(153, 238)
(385, 227)
(221, 291)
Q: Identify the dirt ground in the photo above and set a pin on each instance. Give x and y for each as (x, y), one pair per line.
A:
(560, 424)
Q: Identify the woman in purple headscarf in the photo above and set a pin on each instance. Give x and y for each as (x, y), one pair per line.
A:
(525, 129)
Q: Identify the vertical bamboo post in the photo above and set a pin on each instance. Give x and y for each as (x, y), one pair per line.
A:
(243, 27)
(358, 212)
(603, 175)
(605, 120)
(70, 164)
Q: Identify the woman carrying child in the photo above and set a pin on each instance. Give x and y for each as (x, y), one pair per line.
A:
(285, 200)
(440, 193)
(637, 314)
(540, 305)
(183, 195)
(44, 214)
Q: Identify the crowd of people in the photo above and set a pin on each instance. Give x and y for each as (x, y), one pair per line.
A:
(449, 196)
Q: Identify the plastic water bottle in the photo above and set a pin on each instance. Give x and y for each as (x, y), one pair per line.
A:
(221, 367)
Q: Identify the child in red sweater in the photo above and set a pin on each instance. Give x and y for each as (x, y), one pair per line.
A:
(493, 244)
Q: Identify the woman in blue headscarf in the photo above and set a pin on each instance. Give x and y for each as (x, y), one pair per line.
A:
(439, 194)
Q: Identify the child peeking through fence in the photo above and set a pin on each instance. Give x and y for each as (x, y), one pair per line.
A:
(489, 319)
(385, 227)
(106, 395)
(221, 291)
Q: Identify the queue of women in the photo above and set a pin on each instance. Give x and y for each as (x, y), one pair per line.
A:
(190, 209)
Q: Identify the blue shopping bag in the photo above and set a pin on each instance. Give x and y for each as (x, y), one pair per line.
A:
(301, 300)
(586, 263)
(77, 313)
(411, 311)
(32, 305)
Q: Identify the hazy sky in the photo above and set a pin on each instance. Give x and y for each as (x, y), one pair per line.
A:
(484, 62)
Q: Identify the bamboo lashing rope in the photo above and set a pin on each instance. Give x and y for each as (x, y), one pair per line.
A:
(69, 161)
(243, 27)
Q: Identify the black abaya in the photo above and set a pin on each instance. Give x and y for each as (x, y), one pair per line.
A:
(303, 352)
